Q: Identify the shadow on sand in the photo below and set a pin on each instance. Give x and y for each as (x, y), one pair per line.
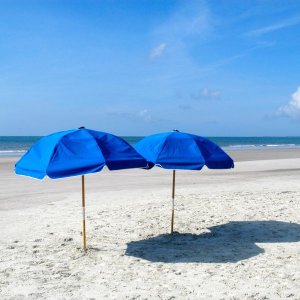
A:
(229, 242)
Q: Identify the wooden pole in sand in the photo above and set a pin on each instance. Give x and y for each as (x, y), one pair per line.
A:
(83, 213)
(173, 197)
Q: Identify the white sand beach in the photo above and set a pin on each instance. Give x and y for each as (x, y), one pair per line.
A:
(237, 233)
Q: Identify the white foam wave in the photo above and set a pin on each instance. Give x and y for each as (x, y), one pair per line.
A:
(261, 146)
(7, 153)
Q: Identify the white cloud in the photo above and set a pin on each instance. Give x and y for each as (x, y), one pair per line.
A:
(206, 93)
(145, 115)
(274, 27)
(210, 93)
(292, 109)
(157, 51)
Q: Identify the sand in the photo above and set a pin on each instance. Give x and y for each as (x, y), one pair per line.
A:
(237, 233)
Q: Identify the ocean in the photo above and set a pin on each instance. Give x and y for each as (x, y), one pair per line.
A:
(18, 145)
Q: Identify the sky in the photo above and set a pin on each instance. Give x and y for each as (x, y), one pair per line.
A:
(136, 67)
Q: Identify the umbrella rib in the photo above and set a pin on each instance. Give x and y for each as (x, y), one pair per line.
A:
(97, 145)
(162, 148)
(198, 149)
(55, 148)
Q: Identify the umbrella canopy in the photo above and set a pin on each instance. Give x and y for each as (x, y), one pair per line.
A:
(78, 152)
(183, 151)
(178, 150)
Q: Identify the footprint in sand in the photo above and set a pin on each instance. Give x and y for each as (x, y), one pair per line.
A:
(68, 239)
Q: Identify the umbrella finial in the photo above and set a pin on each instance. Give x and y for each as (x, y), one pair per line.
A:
(82, 127)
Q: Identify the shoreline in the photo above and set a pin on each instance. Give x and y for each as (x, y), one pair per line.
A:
(236, 154)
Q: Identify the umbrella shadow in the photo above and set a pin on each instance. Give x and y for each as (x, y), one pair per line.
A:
(230, 242)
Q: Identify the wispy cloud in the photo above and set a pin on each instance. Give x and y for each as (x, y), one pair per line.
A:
(206, 94)
(292, 109)
(274, 27)
(230, 59)
(194, 70)
(145, 115)
(189, 24)
(157, 51)
(190, 19)
(192, 24)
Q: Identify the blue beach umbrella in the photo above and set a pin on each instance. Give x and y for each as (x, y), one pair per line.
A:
(182, 151)
(78, 152)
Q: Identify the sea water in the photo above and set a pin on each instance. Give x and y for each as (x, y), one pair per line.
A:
(18, 145)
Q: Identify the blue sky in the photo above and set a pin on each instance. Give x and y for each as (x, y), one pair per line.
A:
(215, 68)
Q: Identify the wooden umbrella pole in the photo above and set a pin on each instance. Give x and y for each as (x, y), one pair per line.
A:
(83, 214)
(173, 197)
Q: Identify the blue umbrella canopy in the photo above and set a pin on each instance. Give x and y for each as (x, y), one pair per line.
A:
(77, 152)
(178, 150)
